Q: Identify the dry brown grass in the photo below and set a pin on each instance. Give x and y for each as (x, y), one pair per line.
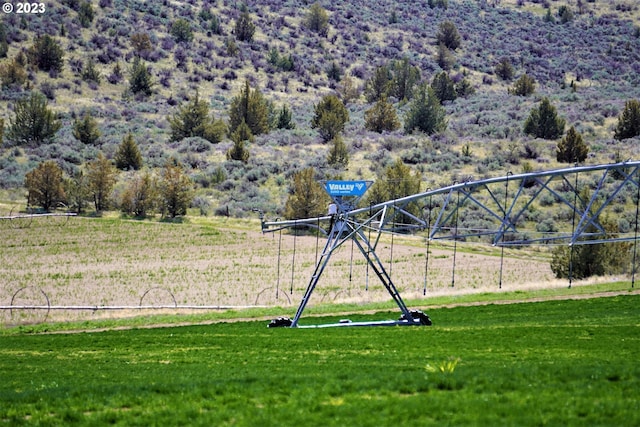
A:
(596, 8)
(217, 262)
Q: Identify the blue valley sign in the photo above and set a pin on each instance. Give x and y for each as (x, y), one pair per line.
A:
(346, 188)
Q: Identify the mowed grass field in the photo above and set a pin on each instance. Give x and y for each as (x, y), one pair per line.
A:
(558, 363)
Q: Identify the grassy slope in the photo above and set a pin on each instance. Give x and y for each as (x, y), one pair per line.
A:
(360, 38)
(527, 364)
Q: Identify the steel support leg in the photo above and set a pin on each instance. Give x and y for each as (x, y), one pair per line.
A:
(333, 242)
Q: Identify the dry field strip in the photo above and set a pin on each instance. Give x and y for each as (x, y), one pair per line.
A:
(219, 262)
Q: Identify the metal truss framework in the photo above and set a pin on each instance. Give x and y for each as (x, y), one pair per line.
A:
(506, 206)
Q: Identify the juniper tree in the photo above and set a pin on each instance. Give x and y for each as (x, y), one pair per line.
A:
(33, 123)
(334, 72)
(274, 57)
(438, 3)
(307, 198)
(77, 191)
(192, 119)
(205, 13)
(90, 72)
(378, 85)
(86, 129)
(448, 35)
(86, 14)
(629, 121)
(397, 181)
(425, 112)
(464, 88)
(338, 153)
(240, 137)
(524, 86)
(443, 87)
(565, 14)
(405, 77)
(116, 75)
(181, 31)
(141, 43)
(504, 69)
(231, 47)
(215, 26)
(140, 80)
(45, 185)
(101, 176)
(572, 149)
(4, 45)
(128, 154)
(12, 74)
(348, 89)
(548, 17)
(444, 57)
(175, 189)
(285, 119)
(46, 54)
(543, 121)
(381, 117)
(251, 107)
(140, 196)
(317, 20)
(245, 28)
(598, 259)
(238, 151)
(330, 117)
(286, 63)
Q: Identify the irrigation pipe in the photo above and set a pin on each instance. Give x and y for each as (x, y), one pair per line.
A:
(128, 307)
(29, 216)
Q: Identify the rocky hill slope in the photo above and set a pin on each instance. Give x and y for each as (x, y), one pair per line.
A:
(584, 55)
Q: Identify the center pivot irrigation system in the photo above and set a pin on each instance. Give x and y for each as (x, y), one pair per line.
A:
(581, 196)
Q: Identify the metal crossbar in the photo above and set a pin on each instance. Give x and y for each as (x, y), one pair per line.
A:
(409, 214)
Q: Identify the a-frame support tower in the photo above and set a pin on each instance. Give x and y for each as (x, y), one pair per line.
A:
(346, 227)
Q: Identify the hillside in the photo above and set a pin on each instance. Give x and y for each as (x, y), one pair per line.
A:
(588, 67)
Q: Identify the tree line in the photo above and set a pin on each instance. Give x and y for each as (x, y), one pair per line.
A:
(168, 192)
(251, 114)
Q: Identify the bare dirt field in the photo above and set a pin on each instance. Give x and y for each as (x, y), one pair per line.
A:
(87, 265)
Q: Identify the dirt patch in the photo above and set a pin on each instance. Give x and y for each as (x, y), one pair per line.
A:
(137, 267)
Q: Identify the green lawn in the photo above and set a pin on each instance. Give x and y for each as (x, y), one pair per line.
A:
(549, 363)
